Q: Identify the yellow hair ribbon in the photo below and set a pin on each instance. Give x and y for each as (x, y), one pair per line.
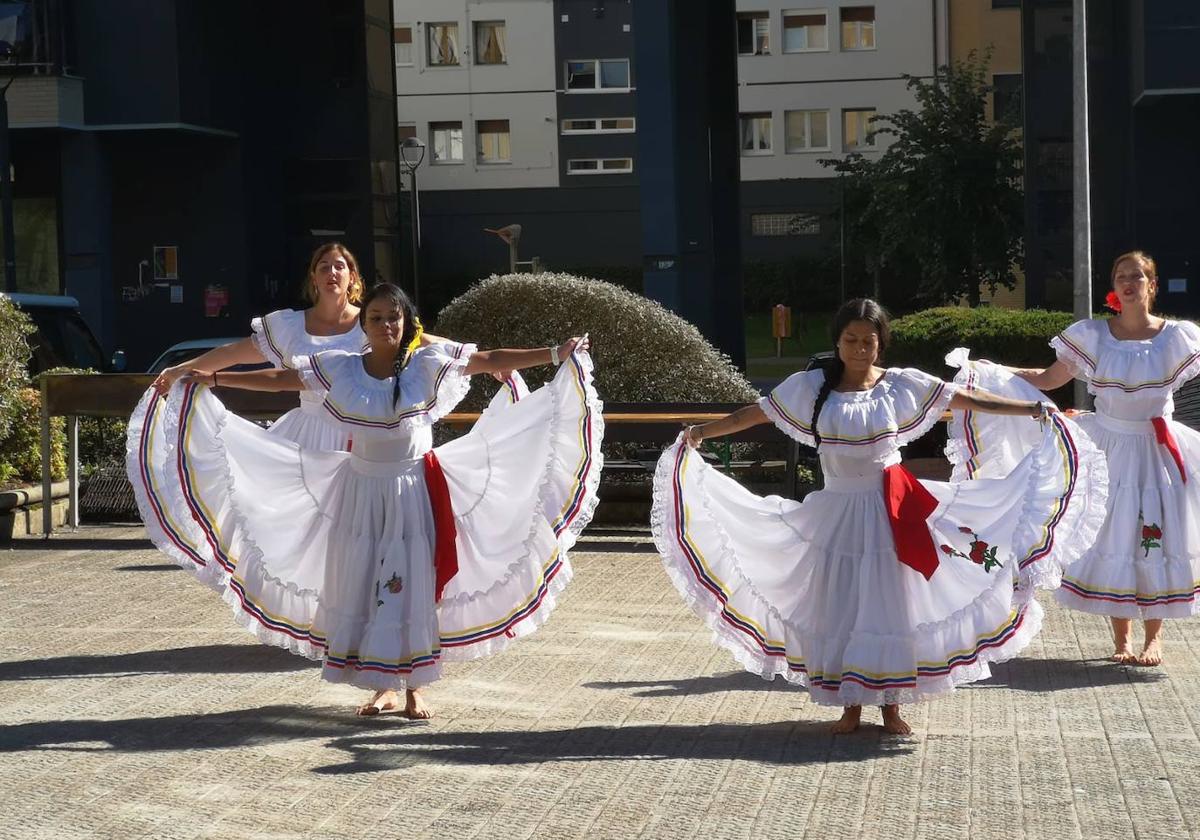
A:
(416, 342)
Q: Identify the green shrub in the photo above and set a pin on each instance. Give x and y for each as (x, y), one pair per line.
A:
(643, 352)
(15, 329)
(1012, 337)
(21, 449)
(1019, 338)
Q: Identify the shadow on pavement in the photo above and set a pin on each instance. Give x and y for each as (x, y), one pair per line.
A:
(201, 659)
(1042, 675)
(152, 567)
(715, 684)
(798, 742)
(390, 743)
(80, 544)
(240, 728)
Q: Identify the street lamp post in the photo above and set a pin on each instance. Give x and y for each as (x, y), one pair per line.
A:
(412, 152)
(8, 54)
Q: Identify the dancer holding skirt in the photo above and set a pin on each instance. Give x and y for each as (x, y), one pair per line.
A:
(386, 561)
(878, 589)
(1145, 561)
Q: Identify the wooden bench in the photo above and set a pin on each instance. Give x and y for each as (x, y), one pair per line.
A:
(116, 395)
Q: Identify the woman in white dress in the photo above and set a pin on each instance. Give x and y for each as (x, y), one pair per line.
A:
(879, 589)
(334, 287)
(1145, 562)
(385, 561)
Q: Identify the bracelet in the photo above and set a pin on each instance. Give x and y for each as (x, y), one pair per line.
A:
(554, 360)
(214, 379)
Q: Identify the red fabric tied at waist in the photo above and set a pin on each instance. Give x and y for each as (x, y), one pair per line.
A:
(1162, 432)
(909, 506)
(445, 555)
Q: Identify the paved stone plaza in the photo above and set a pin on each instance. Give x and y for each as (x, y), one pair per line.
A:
(131, 707)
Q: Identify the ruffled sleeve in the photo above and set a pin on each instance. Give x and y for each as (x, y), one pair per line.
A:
(1185, 364)
(1078, 347)
(274, 336)
(314, 372)
(435, 380)
(919, 401)
(790, 405)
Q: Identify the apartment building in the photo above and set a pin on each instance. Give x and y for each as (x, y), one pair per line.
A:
(537, 98)
(811, 77)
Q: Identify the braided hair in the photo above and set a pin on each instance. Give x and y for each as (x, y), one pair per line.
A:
(410, 338)
(859, 309)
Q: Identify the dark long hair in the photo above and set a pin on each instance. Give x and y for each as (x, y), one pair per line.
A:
(394, 295)
(859, 309)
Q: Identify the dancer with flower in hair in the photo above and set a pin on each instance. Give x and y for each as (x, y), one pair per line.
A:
(1145, 561)
(878, 589)
(385, 561)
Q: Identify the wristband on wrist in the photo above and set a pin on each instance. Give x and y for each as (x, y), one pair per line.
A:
(214, 379)
(554, 360)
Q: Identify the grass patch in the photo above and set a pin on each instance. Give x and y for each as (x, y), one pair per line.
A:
(809, 335)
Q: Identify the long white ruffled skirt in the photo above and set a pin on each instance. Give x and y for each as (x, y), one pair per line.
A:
(1144, 562)
(814, 591)
(330, 555)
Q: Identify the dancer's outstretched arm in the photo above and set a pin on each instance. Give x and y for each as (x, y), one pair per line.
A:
(994, 404)
(275, 379)
(1046, 379)
(241, 352)
(730, 424)
(495, 361)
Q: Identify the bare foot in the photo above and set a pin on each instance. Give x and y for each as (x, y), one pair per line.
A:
(1151, 654)
(893, 724)
(1122, 652)
(851, 716)
(381, 701)
(415, 707)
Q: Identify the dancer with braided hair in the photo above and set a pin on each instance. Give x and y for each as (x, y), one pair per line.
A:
(878, 589)
(385, 561)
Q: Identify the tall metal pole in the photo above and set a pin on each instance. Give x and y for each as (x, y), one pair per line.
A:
(1082, 204)
(415, 223)
(842, 231)
(6, 196)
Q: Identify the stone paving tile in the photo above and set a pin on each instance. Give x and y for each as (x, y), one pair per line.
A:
(132, 707)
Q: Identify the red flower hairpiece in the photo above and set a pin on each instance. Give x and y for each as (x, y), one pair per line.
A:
(1113, 302)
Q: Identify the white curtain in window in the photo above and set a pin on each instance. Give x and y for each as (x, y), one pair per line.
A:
(762, 36)
(500, 39)
(443, 43)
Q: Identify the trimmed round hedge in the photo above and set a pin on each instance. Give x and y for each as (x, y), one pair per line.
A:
(643, 352)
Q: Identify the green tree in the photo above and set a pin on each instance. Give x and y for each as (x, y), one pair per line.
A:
(940, 214)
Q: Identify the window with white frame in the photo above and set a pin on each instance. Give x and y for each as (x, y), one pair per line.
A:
(599, 166)
(599, 125)
(446, 142)
(857, 133)
(806, 130)
(402, 41)
(805, 31)
(492, 141)
(858, 27)
(756, 133)
(754, 33)
(597, 74)
(443, 44)
(784, 224)
(490, 42)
